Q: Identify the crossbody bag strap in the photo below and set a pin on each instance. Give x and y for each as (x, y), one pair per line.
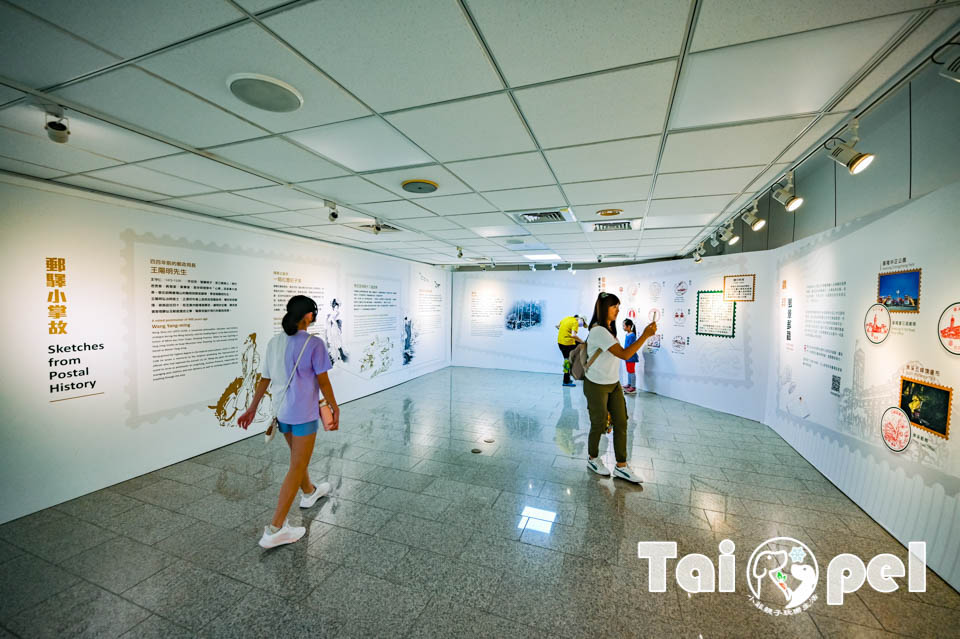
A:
(592, 359)
(283, 393)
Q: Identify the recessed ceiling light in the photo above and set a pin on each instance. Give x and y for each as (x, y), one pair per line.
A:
(419, 186)
(609, 212)
(264, 92)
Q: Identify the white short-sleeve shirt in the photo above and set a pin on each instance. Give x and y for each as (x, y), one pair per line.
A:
(606, 368)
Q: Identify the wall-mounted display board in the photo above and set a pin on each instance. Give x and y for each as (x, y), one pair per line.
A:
(139, 333)
(716, 317)
(863, 384)
(739, 288)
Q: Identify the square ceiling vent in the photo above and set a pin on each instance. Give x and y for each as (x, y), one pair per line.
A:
(619, 225)
(543, 216)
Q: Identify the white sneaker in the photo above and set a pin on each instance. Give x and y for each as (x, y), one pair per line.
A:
(286, 535)
(321, 489)
(625, 472)
(596, 465)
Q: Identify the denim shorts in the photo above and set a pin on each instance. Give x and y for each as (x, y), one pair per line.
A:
(300, 430)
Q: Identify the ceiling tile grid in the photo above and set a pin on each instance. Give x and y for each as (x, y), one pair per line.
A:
(591, 81)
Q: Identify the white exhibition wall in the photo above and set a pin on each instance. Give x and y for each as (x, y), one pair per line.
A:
(137, 333)
(724, 373)
(863, 391)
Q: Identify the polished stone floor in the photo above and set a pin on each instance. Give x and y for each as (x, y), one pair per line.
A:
(423, 538)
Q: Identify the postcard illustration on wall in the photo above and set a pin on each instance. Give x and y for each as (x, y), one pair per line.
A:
(524, 314)
(377, 356)
(948, 330)
(715, 317)
(876, 323)
(334, 334)
(927, 405)
(895, 429)
(899, 291)
(239, 393)
(411, 333)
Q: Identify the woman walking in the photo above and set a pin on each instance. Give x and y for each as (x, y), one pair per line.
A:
(601, 386)
(297, 364)
(631, 330)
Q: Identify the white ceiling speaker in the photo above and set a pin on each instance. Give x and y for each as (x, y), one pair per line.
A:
(786, 196)
(847, 156)
(750, 217)
(419, 186)
(264, 92)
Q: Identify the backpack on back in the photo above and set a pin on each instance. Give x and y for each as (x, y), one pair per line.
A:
(579, 363)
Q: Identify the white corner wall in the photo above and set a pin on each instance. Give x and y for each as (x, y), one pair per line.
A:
(800, 360)
(161, 387)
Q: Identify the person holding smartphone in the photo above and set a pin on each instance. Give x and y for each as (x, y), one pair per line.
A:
(301, 358)
(601, 386)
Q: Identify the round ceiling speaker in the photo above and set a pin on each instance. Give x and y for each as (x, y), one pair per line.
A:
(609, 212)
(419, 186)
(264, 92)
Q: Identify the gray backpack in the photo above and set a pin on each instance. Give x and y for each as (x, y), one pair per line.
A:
(579, 364)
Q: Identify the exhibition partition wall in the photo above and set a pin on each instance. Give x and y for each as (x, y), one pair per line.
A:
(860, 325)
(707, 350)
(135, 335)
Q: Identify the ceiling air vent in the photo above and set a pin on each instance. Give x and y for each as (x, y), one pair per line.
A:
(615, 257)
(478, 259)
(544, 216)
(372, 228)
(624, 225)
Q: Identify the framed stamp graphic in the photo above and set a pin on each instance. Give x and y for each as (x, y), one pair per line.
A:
(899, 291)
(715, 317)
(876, 323)
(739, 288)
(895, 429)
(948, 328)
(927, 405)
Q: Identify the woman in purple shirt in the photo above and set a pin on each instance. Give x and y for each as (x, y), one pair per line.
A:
(299, 411)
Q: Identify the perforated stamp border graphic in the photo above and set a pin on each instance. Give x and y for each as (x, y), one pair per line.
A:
(919, 287)
(946, 435)
(696, 322)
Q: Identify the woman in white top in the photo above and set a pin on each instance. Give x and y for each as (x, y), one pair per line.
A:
(602, 389)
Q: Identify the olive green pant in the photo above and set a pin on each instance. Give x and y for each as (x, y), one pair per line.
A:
(603, 399)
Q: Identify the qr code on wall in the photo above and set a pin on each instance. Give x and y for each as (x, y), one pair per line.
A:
(835, 385)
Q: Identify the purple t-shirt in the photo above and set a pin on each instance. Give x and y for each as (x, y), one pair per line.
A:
(301, 403)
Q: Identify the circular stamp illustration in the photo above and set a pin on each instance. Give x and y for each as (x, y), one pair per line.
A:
(876, 323)
(653, 315)
(948, 330)
(655, 289)
(895, 429)
(680, 288)
(783, 572)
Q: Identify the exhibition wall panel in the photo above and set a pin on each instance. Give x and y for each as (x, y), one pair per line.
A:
(135, 333)
(715, 358)
(867, 360)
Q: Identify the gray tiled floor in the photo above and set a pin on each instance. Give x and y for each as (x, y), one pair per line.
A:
(422, 538)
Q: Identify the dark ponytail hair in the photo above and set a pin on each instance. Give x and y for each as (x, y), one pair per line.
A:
(297, 308)
(601, 310)
(630, 326)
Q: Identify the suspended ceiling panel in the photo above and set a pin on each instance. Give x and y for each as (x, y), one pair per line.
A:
(448, 184)
(365, 144)
(44, 55)
(194, 167)
(772, 78)
(574, 37)
(27, 168)
(8, 95)
(350, 190)
(284, 197)
(713, 182)
(232, 202)
(87, 133)
(635, 188)
(721, 147)
(456, 204)
(540, 197)
(494, 128)
(249, 49)
(134, 96)
(279, 158)
(411, 53)
(396, 210)
(827, 124)
(37, 149)
(106, 186)
(623, 158)
(142, 178)
(607, 106)
(725, 22)
(511, 171)
(631, 210)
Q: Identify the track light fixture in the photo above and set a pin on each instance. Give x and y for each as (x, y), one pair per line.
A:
(951, 68)
(844, 153)
(786, 195)
(533, 267)
(698, 253)
(714, 242)
(553, 267)
(750, 217)
(570, 270)
(460, 252)
(729, 235)
(334, 214)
